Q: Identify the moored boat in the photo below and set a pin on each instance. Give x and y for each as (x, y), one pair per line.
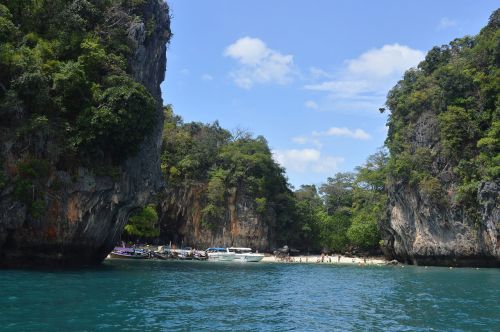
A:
(245, 254)
(167, 252)
(200, 255)
(129, 253)
(220, 254)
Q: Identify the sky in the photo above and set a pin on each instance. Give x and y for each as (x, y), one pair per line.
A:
(309, 76)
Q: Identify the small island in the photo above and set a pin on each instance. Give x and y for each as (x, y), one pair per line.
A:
(323, 166)
(87, 147)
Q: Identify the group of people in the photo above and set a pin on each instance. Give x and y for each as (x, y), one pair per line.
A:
(324, 258)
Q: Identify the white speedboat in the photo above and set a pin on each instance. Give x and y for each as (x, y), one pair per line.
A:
(220, 254)
(245, 254)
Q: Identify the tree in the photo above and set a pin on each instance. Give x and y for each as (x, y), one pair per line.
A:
(337, 192)
(57, 62)
(209, 157)
(333, 230)
(308, 209)
(142, 223)
(363, 231)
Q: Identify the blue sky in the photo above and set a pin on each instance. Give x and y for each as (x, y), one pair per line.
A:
(309, 76)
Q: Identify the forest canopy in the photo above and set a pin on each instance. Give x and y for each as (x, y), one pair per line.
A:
(341, 215)
(195, 153)
(455, 90)
(65, 79)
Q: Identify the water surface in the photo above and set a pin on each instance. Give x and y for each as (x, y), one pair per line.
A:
(205, 296)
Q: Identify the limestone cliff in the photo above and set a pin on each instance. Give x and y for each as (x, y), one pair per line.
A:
(83, 212)
(221, 189)
(181, 220)
(427, 230)
(444, 139)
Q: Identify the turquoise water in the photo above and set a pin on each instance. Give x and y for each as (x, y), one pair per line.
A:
(206, 296)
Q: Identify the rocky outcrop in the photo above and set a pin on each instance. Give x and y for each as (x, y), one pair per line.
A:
(427, 229)
(85, 212)
(425, 234)
(181, 220)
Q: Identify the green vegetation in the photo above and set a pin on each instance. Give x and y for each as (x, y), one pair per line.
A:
(224, 164)
(29, 185)
(68, 98)
(443, 141)
(143, 224)
(343, 215)
(457, 86)
(64, 80)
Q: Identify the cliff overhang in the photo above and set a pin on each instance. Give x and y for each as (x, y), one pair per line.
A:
(84, 212)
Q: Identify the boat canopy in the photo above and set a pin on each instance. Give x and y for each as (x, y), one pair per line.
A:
(123, 249)
(216, 249)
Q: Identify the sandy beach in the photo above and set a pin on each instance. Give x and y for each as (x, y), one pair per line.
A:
(334, 259)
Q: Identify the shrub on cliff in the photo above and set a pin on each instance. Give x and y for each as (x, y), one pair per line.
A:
(457, 85)
(223, 164)
(117, 125)
(58, 62)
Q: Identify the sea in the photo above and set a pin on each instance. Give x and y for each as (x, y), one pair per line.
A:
(125, 295)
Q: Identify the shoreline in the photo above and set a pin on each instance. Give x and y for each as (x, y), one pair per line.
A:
(334, 259)
(330, 260)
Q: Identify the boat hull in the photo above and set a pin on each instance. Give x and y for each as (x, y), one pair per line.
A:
(127, 256)
(249, 257)
(221, 257)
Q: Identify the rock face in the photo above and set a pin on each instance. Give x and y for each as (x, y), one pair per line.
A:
(86, 213)
(423, 230)
(182, 222)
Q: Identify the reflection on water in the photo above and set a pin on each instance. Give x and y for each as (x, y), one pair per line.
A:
(166, 296)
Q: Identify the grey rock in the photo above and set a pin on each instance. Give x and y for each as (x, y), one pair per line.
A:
(423, 232)
(86, 214)
(181, 220)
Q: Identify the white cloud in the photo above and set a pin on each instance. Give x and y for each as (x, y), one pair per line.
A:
(327, 165)
(248, 51)
(297, 160)
(345, 132)
(385, 62)
(341, 88)
(306, 160)
(365, 80)
(446, 23)
(258, 64)
(311, 104)
(207, 77)
(314, 139)
(302, 140)
(317, 73)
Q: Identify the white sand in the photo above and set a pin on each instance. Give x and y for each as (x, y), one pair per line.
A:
(334, 259)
